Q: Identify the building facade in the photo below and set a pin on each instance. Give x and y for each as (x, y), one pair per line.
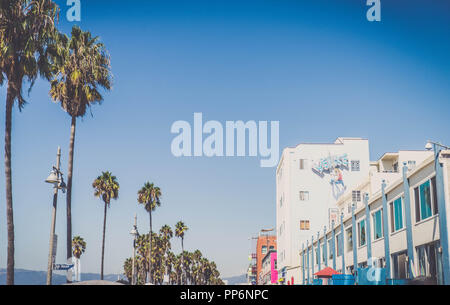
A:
(310, 179)
(395, 218)
(264, 244)
(269, 273)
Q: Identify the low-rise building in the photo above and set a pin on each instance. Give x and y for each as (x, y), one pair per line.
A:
(269, 273)
(395, 219)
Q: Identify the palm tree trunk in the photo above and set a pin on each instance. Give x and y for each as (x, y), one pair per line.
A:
(103, 243)
(8, 180)
(183, 273)
(150, 250)
(69, 188)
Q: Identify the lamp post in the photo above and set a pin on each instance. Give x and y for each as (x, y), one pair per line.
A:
(134, 232)
(55, 178)
(443, 232)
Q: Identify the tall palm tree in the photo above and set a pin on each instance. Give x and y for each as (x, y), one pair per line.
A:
(78, 246)
(180, 229)
(80, 66)
(149, 196)
(26, 29)
(106, 187)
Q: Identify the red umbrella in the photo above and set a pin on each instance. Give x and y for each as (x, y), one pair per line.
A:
(326, 272)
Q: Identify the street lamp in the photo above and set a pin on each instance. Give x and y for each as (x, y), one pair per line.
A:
(134, 232)
(55, 178)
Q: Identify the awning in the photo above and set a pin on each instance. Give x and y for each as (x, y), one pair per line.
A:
(326, 272)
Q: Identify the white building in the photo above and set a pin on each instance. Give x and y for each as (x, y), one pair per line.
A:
(310, 179)
(400, 227)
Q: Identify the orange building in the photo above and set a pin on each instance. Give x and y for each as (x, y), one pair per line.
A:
(263, 245)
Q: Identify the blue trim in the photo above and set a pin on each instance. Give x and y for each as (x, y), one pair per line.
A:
(443, 233)
(368, 230)
(312, 257)
(307, 262)
(341, 246)
(354, 239)
(318, 251)
(333, 243)
(387, 255)
(325, 246)
(409, 238)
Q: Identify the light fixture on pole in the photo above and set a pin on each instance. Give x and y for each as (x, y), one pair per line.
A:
(134, 232)
(56, 179)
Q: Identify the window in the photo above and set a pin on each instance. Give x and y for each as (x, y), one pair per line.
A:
(304, 195)
(338, 244)
(281, 201)
(377, 224)
(271, 248)
(302, 163)
(349, 239)
(355, 166)
(323, 251)
(330, 247)
(425, 199)
(356, 196)
(304, 224)
(264, 250)
(396, 215)
(317, 256)
(362, 233)
(411, 164)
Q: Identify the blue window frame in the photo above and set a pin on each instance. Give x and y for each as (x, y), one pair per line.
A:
(362, 233)
(397, 215)
(377, 224)
(425, 200)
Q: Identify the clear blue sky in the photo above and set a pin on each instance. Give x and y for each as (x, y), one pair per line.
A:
(318, 67)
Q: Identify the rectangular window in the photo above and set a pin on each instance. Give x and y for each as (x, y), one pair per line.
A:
(411, 164)
(417, 203)
(330, 249)
(362, 233)
(425, 200)
(323, 251)
(349, 239)
(304, 224)
(317, 256)
(304, 195)
(396, 215)
(356, 196)
(433, 188)
(377, 224)
(338, 244)
(355, 166)
(302, 163)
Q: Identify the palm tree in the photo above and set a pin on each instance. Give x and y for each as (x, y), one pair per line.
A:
(149, 196)
(78, 246)
(180, 229)
(80, 66)
(26, 29)
(106, 187)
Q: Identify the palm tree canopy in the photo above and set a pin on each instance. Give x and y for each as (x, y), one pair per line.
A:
(26, 29)
(180, 229)
(166, 231)
(106, 187)
(81, 66)
(149, 196)
(78, 246)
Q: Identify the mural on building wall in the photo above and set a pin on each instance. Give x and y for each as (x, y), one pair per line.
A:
(334, 166)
